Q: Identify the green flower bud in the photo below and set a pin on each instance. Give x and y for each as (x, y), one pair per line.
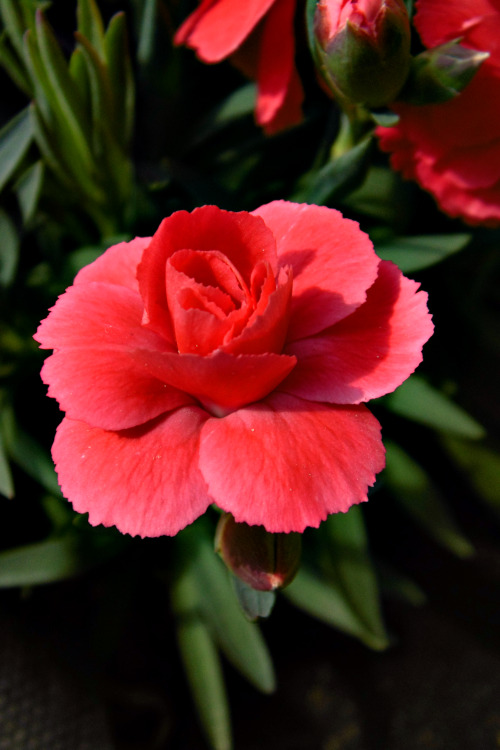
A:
(440, 74)
(260, 559)
(362, 48)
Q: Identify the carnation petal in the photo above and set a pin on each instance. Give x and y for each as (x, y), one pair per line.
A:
(218, 27)
(276, 61)
(144, 481)
(287, 463)
(333, 263)
(97, 315)
(242, 238)
(221, 382)
(109, 389)
(118, 265)
(371, 352)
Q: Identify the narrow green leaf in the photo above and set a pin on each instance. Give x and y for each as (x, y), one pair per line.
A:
(79, 74)
(420, 402)
(6, 482)
(13, 67)
(90, 25)
(28, 454)
(15, 139)
(351, 567)
(29, 188)
(121, 77)
(49, 150)
(411, 486)
(325, 601)
(62, 93)
(241, 640)
(14, 24)
(201, 663)
(255, 604)
(481, 464)
(338, 177)
(54, 559)
(145, 45)
(416, 253)
(101, 93)
(9, 249)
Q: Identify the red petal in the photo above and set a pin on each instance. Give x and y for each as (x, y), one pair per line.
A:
(286, 463)
(218, 27)
(369, 353)
(118, 265)
(267, 327)
(97, 315)
(110, 389)
(94, 329)
(144, 481)
(238, 236)
(221, 382)
(276, 62)
(333, 263)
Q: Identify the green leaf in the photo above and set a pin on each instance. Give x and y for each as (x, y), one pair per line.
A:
(420, 402)
(15, 26)
(6, 483)
(411, 486)
(351, 568)
(385, 119)
(90, 25)
(241, 641)
(415, 253)
(55, 559)
(336, 178)
(15, 139)
(9, 249)
(238, 104)
(145, 45)
(327, 602)
(255, 604)
(61, 92)
(201, 662)
(15, 69)
(29, 188)
(481, 463)
(28, 454)
(379, 196)
(121, 77)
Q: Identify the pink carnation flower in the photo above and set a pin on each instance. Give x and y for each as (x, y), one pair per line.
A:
(225, 360)
(453, 149)
(258, 36)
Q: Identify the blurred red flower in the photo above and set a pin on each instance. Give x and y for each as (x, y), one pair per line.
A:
(225, 361)
(453, 149)
(258, 36)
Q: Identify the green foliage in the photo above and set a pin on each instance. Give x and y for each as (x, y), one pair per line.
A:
(419, 497)
(420, 402)
(416, 253)
(82, 112)
(209, 618)
(15, 140)
(9, 249)
(342, 588)
(57, 558)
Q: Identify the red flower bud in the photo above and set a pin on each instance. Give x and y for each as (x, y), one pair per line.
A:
(262, 560)
(362, 48)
